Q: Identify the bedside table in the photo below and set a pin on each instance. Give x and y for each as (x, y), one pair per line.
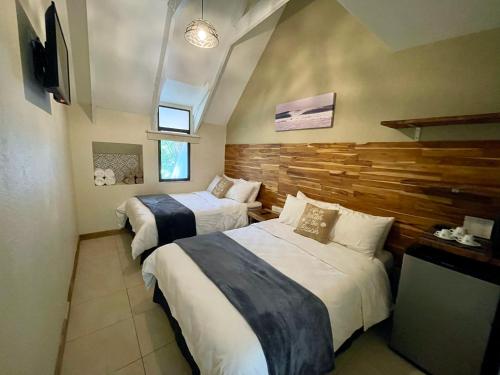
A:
(261, 214)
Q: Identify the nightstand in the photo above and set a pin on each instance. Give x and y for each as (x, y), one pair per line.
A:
(261, 214)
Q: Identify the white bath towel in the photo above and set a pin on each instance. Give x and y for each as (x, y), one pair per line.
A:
(109, 173)
(99, 181)
(99, 172)
(109, 180)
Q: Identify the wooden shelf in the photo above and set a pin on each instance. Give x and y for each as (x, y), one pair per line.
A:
(448, 120)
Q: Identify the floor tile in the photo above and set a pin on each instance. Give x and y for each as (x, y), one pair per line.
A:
(97, 278)
(103, 351)
(153, 330)
(141, 299)
(123, 242)
(135, 368)
(97, 247)
(165, 361)
(98, 313)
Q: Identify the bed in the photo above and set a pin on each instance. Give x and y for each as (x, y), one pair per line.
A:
(211, 214)
(354, 288)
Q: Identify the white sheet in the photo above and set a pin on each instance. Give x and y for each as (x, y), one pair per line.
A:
(212, 214)
(354, 288)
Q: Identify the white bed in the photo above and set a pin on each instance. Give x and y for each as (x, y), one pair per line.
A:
(354, 288)
(212, 214)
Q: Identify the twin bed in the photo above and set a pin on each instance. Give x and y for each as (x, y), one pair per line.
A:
(202, 284)
(212, 214)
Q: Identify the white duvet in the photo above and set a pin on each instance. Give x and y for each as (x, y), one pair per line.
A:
(354, 288)
(212, 214)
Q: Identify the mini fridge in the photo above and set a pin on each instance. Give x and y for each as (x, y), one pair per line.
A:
(446, 314)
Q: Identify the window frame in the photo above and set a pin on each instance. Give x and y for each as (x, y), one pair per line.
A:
(188, 178)
(180, 131)
(163, 128)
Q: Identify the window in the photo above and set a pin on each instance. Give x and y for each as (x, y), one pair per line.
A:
(174, 156)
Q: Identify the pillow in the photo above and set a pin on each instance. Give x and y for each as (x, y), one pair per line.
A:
(256, 188)
(326, 205)
(222, 187)
(361, 232)
(316, 223)
(292, 211)
(214, 182)
(233, 180)
(240, 191)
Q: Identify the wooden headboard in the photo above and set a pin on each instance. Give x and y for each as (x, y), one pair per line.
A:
(420, 184)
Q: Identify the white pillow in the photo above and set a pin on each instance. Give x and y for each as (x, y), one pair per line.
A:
(214, 182)
(255, 190)
(320, 204)
(361, 232)
(234, 180)
(292, 211)
(240, 191)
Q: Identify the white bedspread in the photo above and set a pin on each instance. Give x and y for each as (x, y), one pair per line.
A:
(212, 214)
(354, 288)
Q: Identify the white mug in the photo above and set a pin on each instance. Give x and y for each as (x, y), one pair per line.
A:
(444, 233)
(459, 231)
(468, 239)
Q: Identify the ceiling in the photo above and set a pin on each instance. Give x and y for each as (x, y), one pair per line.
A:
(139, 58)
(124, 42)
(404, 24)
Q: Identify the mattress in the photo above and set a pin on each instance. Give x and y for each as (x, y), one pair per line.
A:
(354, 288)
(212, 214)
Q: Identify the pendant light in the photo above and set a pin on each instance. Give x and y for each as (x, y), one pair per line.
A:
(201, 33)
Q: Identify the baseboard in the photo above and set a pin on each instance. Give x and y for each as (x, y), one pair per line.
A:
(89, 236)
(64, 329)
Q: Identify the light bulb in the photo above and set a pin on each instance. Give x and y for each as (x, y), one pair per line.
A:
(202, 34)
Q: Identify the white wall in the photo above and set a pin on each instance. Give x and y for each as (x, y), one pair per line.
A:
(96, 204)
(37, 222)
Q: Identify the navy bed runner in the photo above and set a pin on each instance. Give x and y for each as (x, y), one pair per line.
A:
(291, 323)
(173, 219)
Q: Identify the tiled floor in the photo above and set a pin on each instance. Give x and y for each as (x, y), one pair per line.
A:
(115, 328)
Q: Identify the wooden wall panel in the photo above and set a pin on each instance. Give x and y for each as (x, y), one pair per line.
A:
(420, 184)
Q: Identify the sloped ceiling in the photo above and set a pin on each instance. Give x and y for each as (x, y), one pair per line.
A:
(126, 38)
(404, 24)
(139, 58)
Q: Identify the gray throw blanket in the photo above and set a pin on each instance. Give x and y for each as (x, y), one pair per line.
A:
(173, 219)
(291, 323)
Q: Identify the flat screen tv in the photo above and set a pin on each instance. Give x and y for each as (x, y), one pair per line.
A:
(56, 78)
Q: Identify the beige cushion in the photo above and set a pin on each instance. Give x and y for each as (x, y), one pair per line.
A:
(222, 187)
(316, 223)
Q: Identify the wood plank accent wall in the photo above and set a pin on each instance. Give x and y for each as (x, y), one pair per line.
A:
(420, 184)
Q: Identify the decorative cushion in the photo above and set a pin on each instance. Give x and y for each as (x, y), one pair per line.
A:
(316, 223)
(240, 191)
(214, 182)
(292, 211)
(222, 187)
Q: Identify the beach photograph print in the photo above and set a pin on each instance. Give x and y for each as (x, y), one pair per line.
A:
(309, 113)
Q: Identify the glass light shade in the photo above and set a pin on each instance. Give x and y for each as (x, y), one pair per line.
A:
(201, 33)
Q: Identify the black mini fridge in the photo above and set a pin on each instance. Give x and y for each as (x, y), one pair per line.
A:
(446, 314)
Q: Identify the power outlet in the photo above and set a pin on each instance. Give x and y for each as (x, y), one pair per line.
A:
(276, 209)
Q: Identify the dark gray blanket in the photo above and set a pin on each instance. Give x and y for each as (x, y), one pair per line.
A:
(173, 219)
(291, 323)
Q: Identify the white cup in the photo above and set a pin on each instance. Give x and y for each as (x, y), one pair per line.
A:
(459, 232)
(444, 233)
(467, 239)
